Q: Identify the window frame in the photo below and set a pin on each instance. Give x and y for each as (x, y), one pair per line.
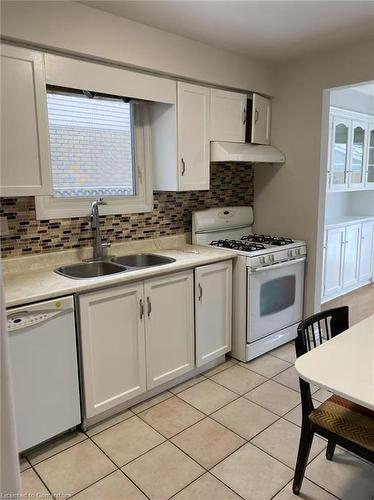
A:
(50, 207)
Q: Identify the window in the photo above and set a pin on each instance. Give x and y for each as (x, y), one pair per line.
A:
(98, 149)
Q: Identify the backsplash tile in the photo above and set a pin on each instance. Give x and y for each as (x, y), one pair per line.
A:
(231, 184)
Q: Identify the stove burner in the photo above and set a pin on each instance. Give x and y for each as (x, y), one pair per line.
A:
(238, 245)
(267, 239)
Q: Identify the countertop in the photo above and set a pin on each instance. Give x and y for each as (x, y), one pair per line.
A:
(342, 220)
(32, 279)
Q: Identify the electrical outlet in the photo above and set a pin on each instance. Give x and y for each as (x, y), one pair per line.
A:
(4, 230)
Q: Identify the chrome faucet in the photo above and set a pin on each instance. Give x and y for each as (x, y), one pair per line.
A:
(98, 244)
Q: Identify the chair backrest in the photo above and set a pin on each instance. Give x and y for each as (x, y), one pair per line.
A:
(312, 332)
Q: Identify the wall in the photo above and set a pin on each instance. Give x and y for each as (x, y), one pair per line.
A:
(77, 29)
(353, 100)
(287, 197)
(229, 185)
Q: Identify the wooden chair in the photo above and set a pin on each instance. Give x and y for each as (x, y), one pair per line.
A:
(340, 421)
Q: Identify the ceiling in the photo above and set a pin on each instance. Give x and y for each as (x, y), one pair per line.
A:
(271, 30)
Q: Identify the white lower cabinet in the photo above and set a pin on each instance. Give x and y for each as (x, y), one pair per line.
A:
(333, 261)
(113, 347)
(366, 264)
(351, 255)
(169, 327)
(213, 311)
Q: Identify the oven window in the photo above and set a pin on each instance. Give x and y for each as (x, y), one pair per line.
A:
(278, 294)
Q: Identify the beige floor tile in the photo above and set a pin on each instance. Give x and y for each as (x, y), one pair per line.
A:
(207, 396)
(24, 464)
(207, 487)
(252, 473)
(223, 366)
(346, 476)
(289, 378)
(116, 486)
(244, 417)
(151, 402)
(281, 441)
(309, 491)
(163, 471)
(185, 385)
(171, 416)
(75, 468)
(286, 352)
(295, 415)
(127, 440)
(208, 442)
(55, 446)
(274, 397)
(321, 395)
(238, 379)
(109, 422)
(267, 365)
(32, 486)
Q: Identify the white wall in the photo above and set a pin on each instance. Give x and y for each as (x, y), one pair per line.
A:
(349, 203)
(287, 197)
(353, 100)
(82, 30)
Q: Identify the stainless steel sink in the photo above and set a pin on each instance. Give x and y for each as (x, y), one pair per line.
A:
(90, 269)
(141, 260)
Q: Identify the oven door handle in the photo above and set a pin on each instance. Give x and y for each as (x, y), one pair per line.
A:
(276, 266)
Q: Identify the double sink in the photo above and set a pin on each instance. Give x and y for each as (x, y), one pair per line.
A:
(114, 265)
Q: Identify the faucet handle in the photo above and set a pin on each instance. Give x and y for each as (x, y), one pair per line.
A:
(101, 201)
(106, 244)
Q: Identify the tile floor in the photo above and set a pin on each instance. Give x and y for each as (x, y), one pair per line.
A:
(230, 433)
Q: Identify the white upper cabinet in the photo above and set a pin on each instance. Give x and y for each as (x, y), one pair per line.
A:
(369, 172)
(213, 306)
(180, 141)
(169, 327)
(358, 154)
(25, 167)
(339, 152)
(261, 117)
(228, 114)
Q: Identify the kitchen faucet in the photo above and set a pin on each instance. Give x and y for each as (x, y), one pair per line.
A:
(98, 244)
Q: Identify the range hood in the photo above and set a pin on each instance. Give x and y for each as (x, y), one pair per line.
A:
(244, 152)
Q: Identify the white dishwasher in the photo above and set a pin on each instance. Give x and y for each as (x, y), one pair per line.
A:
(44, 367)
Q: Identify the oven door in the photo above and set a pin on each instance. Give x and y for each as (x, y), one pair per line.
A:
(274, 298)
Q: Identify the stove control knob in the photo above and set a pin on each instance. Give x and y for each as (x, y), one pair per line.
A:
(262, 260)
(271, 258)
(290, 253)
(297, 251)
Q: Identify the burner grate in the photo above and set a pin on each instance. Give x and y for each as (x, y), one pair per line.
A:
(238, 245)
(267, 239)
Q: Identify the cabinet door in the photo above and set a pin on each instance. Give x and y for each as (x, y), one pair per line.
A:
(193, 137)
(339, 152)
(228, 116)
(113, 347)
(358, 155)
(169, 327)
(333, 261)
(366, 251)
(369, 173)
(261, 114)
(351, 254)
(213, 305)
(25, 168)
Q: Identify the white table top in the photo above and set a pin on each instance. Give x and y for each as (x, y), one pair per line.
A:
(344, 365)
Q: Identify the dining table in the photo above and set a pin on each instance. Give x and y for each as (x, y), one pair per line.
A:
(344, 364)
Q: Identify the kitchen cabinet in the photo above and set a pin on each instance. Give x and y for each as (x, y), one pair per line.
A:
(260, 120)
(333, 260)
(339, 152)
(351, 254)
(228, 115)
(369, 172)
(366, 262)
(24, 124)
(180, 140)
(358, 148)
(113, 346)
(213, 311)
(169, 327)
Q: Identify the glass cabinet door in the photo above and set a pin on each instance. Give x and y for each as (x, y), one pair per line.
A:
(357, 154)
(369, 181)
(339, 153)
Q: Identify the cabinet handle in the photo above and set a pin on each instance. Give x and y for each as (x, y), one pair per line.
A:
(200, 298)
(141, 307)
(183, 166)
(244, 116)
(149, 307)
(256, 115)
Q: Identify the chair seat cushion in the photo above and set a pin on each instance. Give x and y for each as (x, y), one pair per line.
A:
(347, 419)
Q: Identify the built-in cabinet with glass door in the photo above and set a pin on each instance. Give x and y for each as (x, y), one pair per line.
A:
(351, 151)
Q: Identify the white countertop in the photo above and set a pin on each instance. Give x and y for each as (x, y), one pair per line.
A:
(344, 365)
(31, 279)
(342, 220)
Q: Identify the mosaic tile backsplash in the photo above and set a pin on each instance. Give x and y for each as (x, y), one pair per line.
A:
(230, 184)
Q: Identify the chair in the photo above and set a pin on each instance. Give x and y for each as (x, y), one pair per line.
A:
(340, 421)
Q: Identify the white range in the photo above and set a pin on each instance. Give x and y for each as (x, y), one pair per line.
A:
(268, 279)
